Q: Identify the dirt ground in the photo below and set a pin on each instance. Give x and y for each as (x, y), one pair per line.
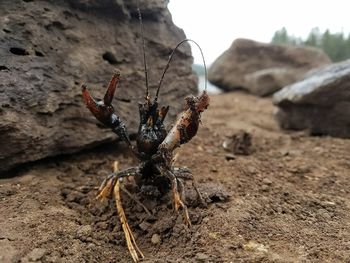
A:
(286, 201)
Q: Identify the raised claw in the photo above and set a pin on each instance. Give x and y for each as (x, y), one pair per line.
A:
(104, 111)
(187, 124)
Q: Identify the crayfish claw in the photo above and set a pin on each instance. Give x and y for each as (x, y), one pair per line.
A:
(134, 250)
(112, 86)
(104, 111)
(101, 111)
(89, 101)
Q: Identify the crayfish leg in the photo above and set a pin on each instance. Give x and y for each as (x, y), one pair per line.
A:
(106, 187)
(179, 198)
(134, 250)
(185, 174)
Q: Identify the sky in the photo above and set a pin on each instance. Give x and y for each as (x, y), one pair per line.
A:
(214, 24)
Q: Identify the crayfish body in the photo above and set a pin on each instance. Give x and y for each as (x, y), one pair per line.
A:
(154, 149)
(154, 145)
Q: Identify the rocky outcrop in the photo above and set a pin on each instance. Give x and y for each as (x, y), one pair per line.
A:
(49, 48)
(320, 102)
(263, 68)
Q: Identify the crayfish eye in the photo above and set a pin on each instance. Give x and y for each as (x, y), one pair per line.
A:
(110, 109)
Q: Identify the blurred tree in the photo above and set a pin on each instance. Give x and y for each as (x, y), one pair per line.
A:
(315, 38)
(281, 36)
(336, 46)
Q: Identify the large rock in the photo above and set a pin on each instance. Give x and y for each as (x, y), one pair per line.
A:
(49, 48)
(263, 68)
(320, 102)
(267, 81)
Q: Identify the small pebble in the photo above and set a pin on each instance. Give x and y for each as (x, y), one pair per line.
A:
(252, 245)
(155, 239)
(264, 187)
(202, 257)
(214, 169)
(230, 156)
(84, 232)
(206, 220)
(36, 254)
(200, 148)
(251, 170)
(145, 226)
(284, 152)
(267, 181)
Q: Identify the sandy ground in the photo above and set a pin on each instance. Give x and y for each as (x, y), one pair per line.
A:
(289, 200)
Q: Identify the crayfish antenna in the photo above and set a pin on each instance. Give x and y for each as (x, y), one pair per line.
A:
(171, 57)
(143, 50)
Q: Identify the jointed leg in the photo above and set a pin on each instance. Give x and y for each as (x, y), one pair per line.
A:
(185, 173)
(109, 182)
(134, 250)
(113, 183)
(178, 202)
(182, 199)
(181, 188)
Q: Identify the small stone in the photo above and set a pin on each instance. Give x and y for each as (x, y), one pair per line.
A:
(214, 169)
(210, 151)
(145, 226)
(252, 245)
(206, 220)
(155, 239)
(103, 225)
(84, 232)
(202, 257)
(329, 203)
(230, 156)
(239, 143)
(267, 181)
(36, 254)
(251, 170)
(284, 152)
(265, 188)
(200, 148)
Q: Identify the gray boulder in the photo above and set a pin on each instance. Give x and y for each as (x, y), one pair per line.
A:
(320, 102)
(49, 48)
(267, 81)
(263, 68)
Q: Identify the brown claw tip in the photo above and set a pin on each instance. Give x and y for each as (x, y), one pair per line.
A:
(83, 87)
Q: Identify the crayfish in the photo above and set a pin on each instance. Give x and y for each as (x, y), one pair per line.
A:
(154, 146)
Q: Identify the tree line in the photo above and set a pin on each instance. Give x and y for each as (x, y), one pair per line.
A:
(335, 45)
